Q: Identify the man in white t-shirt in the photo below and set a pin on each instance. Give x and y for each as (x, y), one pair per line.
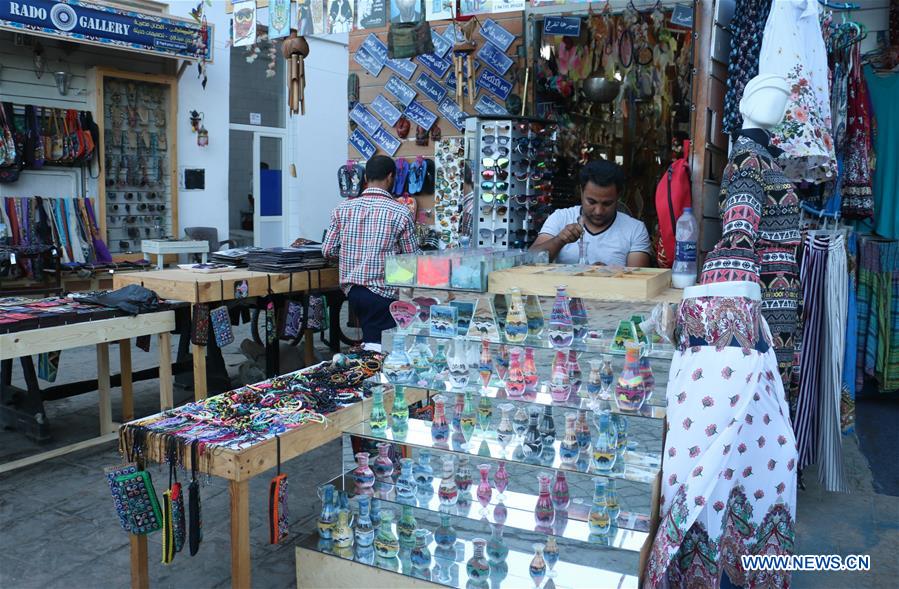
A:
(610, 237)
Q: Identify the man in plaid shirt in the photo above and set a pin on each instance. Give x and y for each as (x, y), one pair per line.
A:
(363, 231)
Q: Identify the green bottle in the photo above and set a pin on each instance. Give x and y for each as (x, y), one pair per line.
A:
(399, 413)
(378, 417)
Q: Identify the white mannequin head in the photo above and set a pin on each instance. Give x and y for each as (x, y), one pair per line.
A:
(764, 101)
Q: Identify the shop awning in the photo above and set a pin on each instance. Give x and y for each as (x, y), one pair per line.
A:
(108, 25)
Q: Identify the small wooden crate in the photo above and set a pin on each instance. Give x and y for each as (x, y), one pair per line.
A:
(588, 282)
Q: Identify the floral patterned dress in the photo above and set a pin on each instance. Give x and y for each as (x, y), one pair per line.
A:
(746, 28)
(793, 47)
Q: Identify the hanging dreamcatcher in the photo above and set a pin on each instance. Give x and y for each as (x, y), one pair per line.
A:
(464, 47)
(202, 41)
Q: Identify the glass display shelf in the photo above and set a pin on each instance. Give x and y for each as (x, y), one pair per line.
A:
(600, 345)
(638, 467)
(540, 396)
(448, 565)
(519, 513)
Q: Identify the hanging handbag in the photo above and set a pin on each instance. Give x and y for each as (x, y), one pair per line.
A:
(195, 519)
(47, 139)
(34, 148)
(221, 326)
(90, 133)
(409, 39)
(199, 334)
(7, 137)
(74, 136)
(135, 499)
(277, 502)
(58, 150)
(14, 146)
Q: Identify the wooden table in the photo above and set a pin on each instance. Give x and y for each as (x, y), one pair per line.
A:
(99, 333)
(219, 288)
(238, 467)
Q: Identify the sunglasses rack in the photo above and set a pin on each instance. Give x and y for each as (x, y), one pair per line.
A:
(514, 168)
(137, 185)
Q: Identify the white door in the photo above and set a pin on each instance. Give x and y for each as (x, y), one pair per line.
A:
(269, 188)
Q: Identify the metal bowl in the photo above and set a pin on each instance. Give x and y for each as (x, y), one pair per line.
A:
(599, 89)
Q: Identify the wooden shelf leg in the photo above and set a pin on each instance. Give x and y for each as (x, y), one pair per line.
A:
(199, 354)
(166, 395)
(127, 384)
(140, 577)
(309, 347)
(240, 534)
(106, 425)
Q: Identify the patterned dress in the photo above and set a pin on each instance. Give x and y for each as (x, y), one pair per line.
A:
(760, 217)
(729, 470)
(746, 28)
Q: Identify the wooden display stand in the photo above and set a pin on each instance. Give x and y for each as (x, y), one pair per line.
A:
(594, 282)
(238, 467)
(195, 287)
(169, 189)
(99, 333)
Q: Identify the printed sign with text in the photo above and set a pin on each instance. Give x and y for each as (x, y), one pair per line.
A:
(565, 26)
(386, 110)
(368, 62)
(452, 113)
(496, 34)
(400, 90)
(438, 65)
(494, 58)
(386, 141)
(431, 88)
(490, 81)
(404, 67)
(421, 116)
(364, 119)
(362, 144)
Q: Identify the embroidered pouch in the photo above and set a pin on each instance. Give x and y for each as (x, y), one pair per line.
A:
(221, 326)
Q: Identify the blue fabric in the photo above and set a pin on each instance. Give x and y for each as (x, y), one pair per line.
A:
(884, 89)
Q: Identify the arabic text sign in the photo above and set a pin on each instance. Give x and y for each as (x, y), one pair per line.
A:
(487, 106)
(364, 119)
(400, 90)
(368, 61)
(438, 65)
(431, 88)
(362, 144)
(495, 58)
(386, 141)
(496, 34)
(566, 26)
(491, 82)
(404, 67)
(452, 113)
(421, 116)
(385, 110)
(376, 47)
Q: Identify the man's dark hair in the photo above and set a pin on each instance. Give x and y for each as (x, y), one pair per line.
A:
(602, 173)
(379, 167)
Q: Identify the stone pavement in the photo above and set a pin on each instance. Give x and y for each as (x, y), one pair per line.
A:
(58, 527)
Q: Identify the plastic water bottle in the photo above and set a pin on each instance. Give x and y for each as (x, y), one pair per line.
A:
(686, 234)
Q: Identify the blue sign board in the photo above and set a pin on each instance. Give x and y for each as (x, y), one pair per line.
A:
(404, 67)
(421, 116)
(431, 87)
(496, 34)
(494, 83)
(103, 25)
(566, 26)
(451, 84)
(452, 113)
(494, 58)
(386, 110)
(362, 144)
(441, 44)
(378, 49)
(487, 106)
(438, 65)
(364, 119)
(400, 90)
(386, 141)
(368, 61)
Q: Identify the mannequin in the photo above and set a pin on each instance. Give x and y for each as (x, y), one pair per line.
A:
(763, 106)
(729, 464)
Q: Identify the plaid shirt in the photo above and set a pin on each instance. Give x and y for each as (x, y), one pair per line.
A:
(363, 231)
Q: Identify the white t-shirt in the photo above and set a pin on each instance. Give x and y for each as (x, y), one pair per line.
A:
(610, 246)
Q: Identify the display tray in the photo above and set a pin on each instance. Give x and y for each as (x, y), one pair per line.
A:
(589, 282)
(448, 566)
(650, 409)
(639, 467)
(592, 345)
(629, 532)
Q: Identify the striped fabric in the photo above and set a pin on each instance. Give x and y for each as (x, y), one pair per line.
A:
(805, 420)
(835, 295)
(878, 312)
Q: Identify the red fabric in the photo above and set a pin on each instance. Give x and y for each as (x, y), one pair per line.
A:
(679, 174)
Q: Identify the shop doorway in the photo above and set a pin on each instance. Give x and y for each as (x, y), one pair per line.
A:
(256, 186)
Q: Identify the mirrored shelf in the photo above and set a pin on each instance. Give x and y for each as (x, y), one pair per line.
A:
(448, 565)
(519, 513)
(638, 466)
(600, 345)
(541, 396)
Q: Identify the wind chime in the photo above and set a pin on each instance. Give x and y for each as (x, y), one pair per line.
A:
(463, 51)
(295, 50)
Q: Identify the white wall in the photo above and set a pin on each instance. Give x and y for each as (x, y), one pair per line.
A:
(318, 140)
(209, 207)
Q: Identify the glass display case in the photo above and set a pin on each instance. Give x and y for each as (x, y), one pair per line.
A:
(138, 190)
(456, 269)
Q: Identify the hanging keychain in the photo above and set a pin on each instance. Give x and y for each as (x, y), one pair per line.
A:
(277, 502)
(193, 500)
(168, 519)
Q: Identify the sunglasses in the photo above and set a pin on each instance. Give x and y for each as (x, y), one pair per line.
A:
(490, 197)
(493, 128)
(523, 176)
(489, 162)
(491, 139)
(495, 185)
(500, 174)
(494, 233)
(495, 150)
(489, 209)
